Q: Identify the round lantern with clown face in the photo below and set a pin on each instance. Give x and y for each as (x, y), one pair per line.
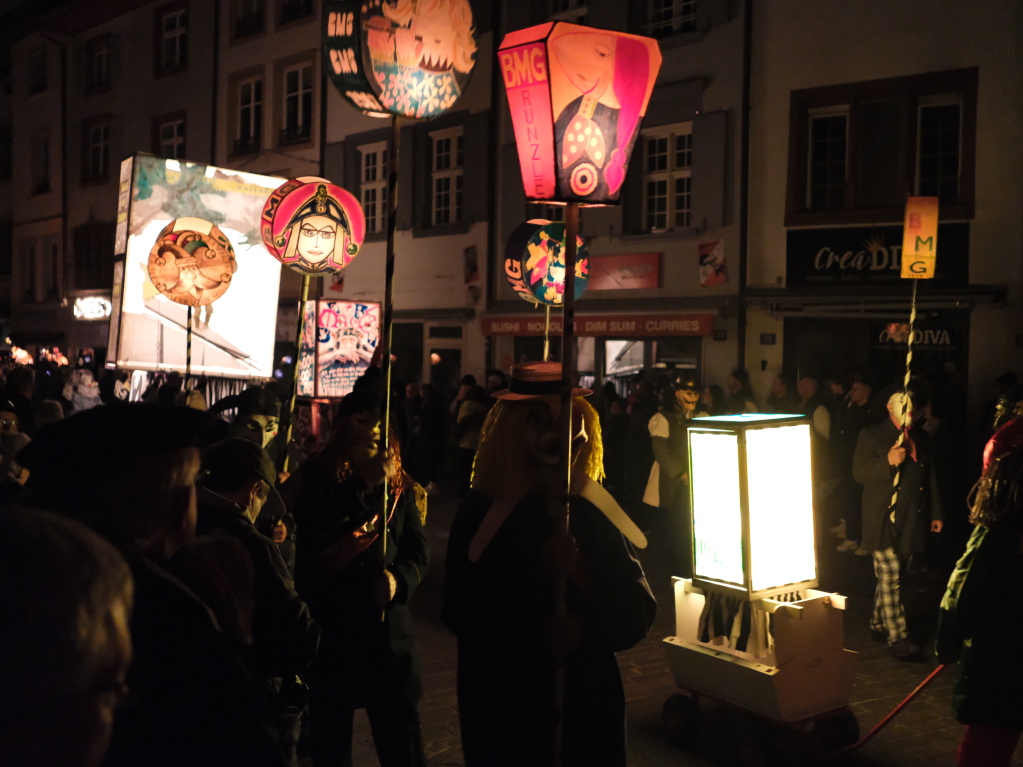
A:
(535, 262)
(192, 262)
(313, 225)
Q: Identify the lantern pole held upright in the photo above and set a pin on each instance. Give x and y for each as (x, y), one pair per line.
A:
(567, 345)
(388, 318)
(303, 298)
(188, 353)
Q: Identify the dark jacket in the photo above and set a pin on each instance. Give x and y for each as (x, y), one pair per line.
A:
(501, 609)
(284, 635)
(358, 652)
(980, 623)
(192, 701)
(918, 502)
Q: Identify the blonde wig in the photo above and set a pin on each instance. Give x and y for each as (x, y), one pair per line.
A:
(504, 464)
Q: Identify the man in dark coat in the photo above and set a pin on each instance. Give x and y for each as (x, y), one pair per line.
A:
(240, 478)
(359, 595)
(895, 535)
(191, 700)
(502, 593)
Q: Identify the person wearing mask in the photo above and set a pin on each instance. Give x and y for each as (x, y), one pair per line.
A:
(358, 591)
(239, 478)
(894, 535)
(668, 484)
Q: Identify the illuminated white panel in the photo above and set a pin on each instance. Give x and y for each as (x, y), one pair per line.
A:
(717, 515)
(780, 506)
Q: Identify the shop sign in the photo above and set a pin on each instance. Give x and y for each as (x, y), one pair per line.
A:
(92, 308)
(868, 255)
(625, 272)
(612, 325)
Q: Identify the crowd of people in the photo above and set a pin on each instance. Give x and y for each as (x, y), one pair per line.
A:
(184, 600)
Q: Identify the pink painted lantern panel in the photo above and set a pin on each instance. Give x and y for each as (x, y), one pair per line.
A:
(313, 226)
(577, 97)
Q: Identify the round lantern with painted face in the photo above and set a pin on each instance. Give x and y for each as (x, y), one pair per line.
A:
(313, 225)
(192, 262)
(535, 262)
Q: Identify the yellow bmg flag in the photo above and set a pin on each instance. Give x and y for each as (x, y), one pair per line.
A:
(920, 238)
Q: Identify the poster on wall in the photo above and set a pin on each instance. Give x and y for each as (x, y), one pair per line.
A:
(339, 339)
(232, 337)
(713, 271)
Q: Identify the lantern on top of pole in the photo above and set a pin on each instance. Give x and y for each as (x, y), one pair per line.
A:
(919, 262)
(577, 96)
(407, 60)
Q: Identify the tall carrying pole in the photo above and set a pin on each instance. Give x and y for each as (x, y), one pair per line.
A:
(905, 405)
(298, 359)
(188, 353)
(385, 336)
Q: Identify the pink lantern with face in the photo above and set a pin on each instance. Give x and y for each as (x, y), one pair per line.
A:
(577, 96)
(313, 225)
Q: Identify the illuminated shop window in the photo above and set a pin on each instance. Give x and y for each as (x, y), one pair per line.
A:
(446, 176)
(373, 186)
(667, 182)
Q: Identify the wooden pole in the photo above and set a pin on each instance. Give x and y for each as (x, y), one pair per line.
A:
(546, 332)
(298, 359)
(188, 353)
(905, 404)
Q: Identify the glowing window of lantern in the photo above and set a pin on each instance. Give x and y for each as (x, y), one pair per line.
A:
(717, 512)
(373, 185)
(667, 170)
(446, 180)
(780, 506)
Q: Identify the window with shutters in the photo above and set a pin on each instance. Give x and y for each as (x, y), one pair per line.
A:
(856, 151)
(373, 186)
(446, 176)
(667, 156)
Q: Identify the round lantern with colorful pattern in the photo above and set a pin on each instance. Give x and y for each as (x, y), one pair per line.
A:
(535, 262)
(192, 262)
(313, 225)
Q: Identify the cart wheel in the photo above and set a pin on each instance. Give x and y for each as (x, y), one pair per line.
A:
(681, 720)
(837, 731)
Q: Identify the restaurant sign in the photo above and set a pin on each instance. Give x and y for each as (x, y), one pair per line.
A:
(625, 272)
(606, 325)
(868, 255)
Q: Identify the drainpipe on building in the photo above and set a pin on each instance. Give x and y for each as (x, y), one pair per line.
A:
(747, 55)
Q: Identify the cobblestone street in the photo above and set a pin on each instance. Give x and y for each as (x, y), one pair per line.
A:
(923, 734)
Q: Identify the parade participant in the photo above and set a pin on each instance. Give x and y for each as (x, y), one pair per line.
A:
(258, 413)
(981, 616)
(875, 461)
(506, 557)
(668, 484)
(191, 700)
(64, 640)
(240, 478)
(364, 661)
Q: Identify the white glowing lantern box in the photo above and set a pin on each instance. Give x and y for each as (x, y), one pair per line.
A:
(752, 504)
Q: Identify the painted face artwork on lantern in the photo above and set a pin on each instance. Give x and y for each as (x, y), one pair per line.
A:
(313, 225)
(192, 262)
(535, 262)
(404, 57)
(577, 97)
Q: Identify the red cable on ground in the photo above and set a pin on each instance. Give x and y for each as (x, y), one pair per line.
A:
(891, 715)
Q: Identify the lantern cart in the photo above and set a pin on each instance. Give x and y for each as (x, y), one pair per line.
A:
(752, 630)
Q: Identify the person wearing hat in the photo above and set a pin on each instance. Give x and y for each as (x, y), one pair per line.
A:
(358, 592)
(258, 414)
(668, 485)
(894, 536)
(128, 472)
(526, 597)
(239, 478)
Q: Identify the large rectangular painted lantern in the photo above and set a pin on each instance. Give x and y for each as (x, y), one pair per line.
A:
(577, 96)
(752, 504)
(339, 340)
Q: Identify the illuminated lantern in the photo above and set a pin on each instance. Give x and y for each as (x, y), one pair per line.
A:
(752, 504)
(577, 96)
(534, 262)
(312, 225)
(192, 262)
(411, 58)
